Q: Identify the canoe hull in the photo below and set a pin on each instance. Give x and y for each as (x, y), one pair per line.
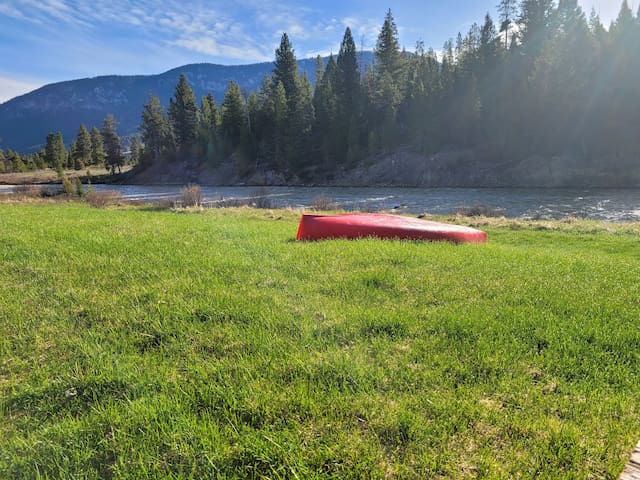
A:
(362, 225)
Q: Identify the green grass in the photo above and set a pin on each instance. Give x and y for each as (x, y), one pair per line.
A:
(146, 344)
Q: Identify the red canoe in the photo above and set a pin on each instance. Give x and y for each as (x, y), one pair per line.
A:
(359, 225)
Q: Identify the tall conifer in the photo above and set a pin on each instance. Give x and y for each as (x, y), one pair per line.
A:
(97, 147)
(183, 114)
(154, 130)
(112, 147)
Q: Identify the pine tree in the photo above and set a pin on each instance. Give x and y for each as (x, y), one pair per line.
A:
(209, 120)
(81, 154)
(534, 22)
(136, 151)
(183, 115)
(234, 118)
(60, 153)
(50, 153)
(597, 29)
(154, 130)
(297, 129)
(488, 47)
(348, 100)
(286, 68)
(387, 51)
(326, 111)
(73, 156)
(301, 121)
(209, 115)
(97, 147)
(348, 73)
(389, 83)
(507, 10)
(112, 147)
(280, 118)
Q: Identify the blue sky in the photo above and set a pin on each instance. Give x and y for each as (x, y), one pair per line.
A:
(44, 41)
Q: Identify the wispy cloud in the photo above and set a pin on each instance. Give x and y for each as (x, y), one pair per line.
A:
(201, 28)
(11, 87)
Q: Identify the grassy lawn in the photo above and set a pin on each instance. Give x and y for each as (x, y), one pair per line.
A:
(145, 344)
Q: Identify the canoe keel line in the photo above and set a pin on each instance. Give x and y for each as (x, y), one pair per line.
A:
(363, 225)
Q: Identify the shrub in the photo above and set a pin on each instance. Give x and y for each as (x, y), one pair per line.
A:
(260, 198)
(67, 186)
(479, 211)
(191, 196)
(79, 188)
(28, 191)
(103, 198)
(163, 204)
(323, 203)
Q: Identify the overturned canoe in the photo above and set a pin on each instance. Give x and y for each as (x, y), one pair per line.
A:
(359, 225)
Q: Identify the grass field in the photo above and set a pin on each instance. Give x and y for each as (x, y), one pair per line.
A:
(95, 173)
(145, 344)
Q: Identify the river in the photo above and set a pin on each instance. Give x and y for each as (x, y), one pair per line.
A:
(600, 204)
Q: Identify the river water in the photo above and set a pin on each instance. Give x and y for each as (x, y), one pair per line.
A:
(601, 204)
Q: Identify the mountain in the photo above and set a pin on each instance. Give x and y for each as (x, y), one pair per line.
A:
(26, 120)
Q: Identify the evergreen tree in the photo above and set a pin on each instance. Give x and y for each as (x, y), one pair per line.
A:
(50, 152)
(73, 155)
(488, 47)
(296, 131)
(136, 151)
(597, 29)
(234, 118)
(286, 68)
(183, 115)
(81, 154)
(97, 147)
(61, 152)
(301, 121)
(154, 130)
(534, 22)
(280, 118)
(325, 103)
(388, 84)
(507, 10)
(112, 147)
(14, 161)
(209, 121)
(347, 90)
(348, 73)
(387, 51)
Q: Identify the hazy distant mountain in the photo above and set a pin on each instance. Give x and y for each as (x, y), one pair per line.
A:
(26, 120)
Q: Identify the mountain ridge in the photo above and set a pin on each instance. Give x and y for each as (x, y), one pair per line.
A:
(26, 120)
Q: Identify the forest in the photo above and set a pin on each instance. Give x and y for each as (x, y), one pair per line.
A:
(543, 79)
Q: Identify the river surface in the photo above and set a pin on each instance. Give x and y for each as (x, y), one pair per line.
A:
(601, 204)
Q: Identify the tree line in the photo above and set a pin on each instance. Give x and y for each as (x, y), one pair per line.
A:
(98, 148)
(545, 80)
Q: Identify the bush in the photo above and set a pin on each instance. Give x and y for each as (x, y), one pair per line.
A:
(323, 203)
(103, 198)
(191, 196)
(260, 199)
(79, 188)
(68, 187)
(479, 211)
(28, 191)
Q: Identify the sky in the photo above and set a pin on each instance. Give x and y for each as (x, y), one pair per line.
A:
(45, 41)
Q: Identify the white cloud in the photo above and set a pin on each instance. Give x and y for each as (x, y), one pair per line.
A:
(11, 87)
(11, 11)
(209, 46)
